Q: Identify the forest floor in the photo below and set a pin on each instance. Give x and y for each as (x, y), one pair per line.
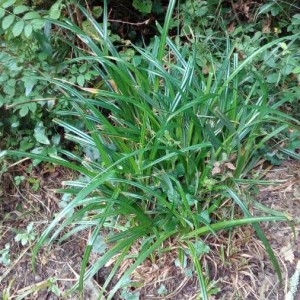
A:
(242, 272)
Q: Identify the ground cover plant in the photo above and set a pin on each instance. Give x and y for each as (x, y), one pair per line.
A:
(28, 48)
(165, 146)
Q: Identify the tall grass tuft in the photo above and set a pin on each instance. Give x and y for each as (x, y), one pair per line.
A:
(169, 145)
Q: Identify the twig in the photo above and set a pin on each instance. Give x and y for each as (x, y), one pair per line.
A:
(146, 22)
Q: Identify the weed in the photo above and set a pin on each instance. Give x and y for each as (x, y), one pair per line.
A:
(19, 179)
(5, 255)
(27, 236)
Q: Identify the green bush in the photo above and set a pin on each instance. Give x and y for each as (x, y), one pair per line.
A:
(31, 49)
(26, 102)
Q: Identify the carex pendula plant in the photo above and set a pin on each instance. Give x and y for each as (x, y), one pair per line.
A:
(165, 145)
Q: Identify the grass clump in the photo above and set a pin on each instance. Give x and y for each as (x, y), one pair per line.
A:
(165, 147)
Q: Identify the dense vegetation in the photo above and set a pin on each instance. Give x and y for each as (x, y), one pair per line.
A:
(165, 114)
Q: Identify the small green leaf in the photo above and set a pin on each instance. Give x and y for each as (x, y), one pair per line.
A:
(87, 76)
(273, 78)
(80, 80)
(130, 296)
(265, 8)
(144, 6)
(18, 237)
(55, 289)
(2, 101)
(56, 139)
(38, 24)
(41, 138)
(11, 82)
(55, 10)
(296, 70)
(18, 28)
(287, 69)
(9, 88)
(2, 13)
(28, 30)
(29, 84)
(32, 106)
(7, 21)
(26, 144)
(50, 104)
(20, 9)
(39, 134)
(296, 19)
(97, 11)
(82, 68)
(5, 255)
(72, 79)
(23, 111)
(162, 290)
(275, 10)
(201, 248)
(31, 15)
(29, 227)
(99, 246)
(8, 3)
(3, 77)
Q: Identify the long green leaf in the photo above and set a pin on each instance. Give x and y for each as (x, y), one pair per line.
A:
(259, 231)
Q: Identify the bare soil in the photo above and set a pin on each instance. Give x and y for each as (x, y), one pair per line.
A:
(237, 261)
(252, 276)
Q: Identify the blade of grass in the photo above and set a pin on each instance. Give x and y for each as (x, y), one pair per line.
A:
(196, 261)
(222, 225)
(259, 232)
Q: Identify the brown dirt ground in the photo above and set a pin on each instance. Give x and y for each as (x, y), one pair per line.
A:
(242, 272)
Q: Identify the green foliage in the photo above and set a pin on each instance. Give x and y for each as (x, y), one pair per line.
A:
(18, 18)
(162, 290)
(23, 98)
(19, 179)
(144, 6)
(26, 101)
(27, 236)
(167, 146)
(126, 295)
(169, 132)
(5, 255)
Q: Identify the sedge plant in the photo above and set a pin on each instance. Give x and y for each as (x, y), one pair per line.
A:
(160, 128)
